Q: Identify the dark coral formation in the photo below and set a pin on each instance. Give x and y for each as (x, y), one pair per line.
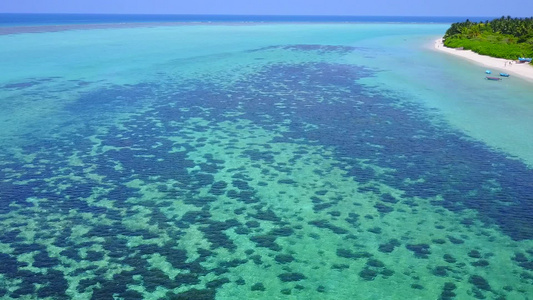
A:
(389, 246)
(419, 250)
(479, 282)
(448, 291)
(291, 276)
(136, 172)
(258, 287)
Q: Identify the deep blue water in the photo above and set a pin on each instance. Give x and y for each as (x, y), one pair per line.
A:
(48, 19)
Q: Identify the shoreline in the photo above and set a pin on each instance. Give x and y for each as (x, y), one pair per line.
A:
(496, 65)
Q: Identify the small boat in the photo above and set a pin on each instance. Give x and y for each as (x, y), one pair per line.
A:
(504, 75)
(493, 78)
(524, 59)
(488, 72)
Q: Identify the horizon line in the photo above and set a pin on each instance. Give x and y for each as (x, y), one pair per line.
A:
(251, 15)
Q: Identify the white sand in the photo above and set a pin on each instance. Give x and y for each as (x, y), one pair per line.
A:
(496, 65)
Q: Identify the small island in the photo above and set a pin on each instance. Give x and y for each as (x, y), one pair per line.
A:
(506, 37)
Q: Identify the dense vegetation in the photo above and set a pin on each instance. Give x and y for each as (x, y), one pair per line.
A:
(505, 37)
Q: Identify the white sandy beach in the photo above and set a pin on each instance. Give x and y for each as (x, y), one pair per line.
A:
(496, 65)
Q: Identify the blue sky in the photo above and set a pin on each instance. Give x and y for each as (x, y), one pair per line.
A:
(515, 8)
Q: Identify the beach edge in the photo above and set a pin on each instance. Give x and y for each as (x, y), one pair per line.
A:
(523, 71)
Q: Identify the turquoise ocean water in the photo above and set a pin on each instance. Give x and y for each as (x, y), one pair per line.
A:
(260, 161)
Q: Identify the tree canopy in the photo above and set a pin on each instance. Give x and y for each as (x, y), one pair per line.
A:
(505, 37)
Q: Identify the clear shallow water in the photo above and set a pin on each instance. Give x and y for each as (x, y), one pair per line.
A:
(260, 162)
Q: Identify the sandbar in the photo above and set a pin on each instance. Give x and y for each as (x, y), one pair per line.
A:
(496, 65)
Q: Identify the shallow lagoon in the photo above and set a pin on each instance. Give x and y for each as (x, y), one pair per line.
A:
(309, 161)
